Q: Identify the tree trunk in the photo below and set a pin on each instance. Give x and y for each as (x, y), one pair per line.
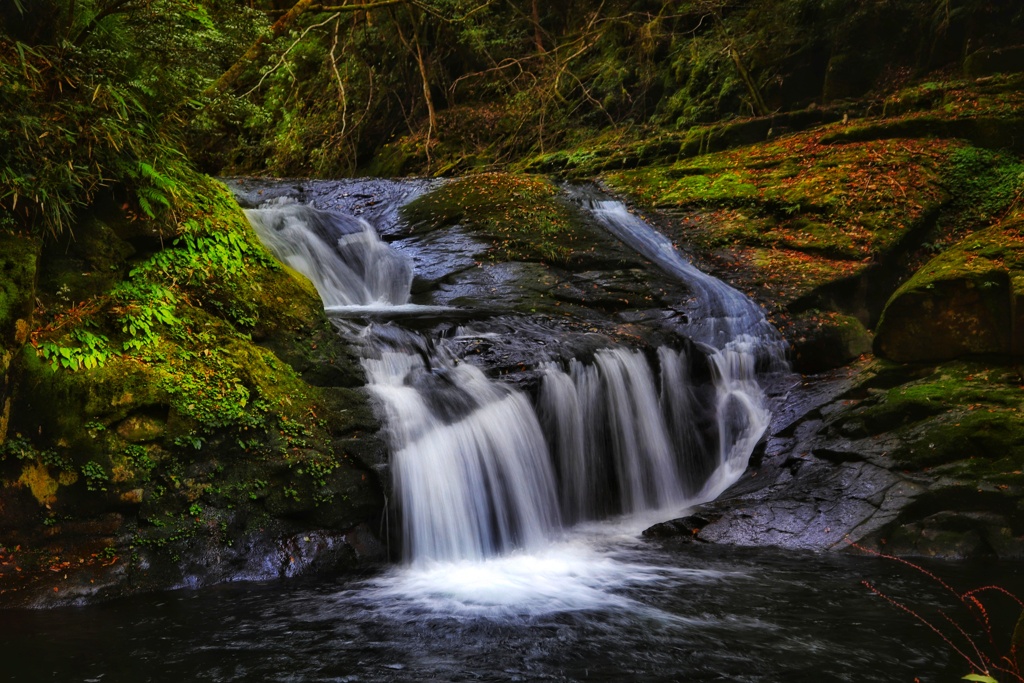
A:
(255, 51)
(421, 63)
(538, 38)
(760, 108)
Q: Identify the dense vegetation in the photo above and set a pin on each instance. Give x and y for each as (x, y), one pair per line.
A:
(122, 93)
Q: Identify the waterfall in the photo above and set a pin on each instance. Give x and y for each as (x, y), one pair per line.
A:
(479, 466)
(610, 436)
(342, 255)
(470, 464)
(721, 316)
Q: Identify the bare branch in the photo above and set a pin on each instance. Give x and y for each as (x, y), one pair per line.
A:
(291, 47)
(342, 96)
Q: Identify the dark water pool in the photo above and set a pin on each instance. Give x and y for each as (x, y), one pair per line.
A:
(592, 607)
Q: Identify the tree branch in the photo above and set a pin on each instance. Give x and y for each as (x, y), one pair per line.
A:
(255, 51)
(346, 8)
(115, 7)
(284, 55)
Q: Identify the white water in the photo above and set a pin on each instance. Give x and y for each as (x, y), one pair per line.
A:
(469, 460)
(586, 570)
(484, 478)
(610, 435)
(342, 255)
(721, 316)
(723, 319)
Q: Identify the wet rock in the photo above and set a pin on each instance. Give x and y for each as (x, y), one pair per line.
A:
(951, 534)
(140, 428)
(904, 460)
(685, 528)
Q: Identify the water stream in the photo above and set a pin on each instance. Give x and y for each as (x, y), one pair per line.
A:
(599, 606)
(482, 469)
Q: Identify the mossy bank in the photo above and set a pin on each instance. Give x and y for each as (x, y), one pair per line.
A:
(178, 411)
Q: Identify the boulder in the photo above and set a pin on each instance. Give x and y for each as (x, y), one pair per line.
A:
(965, 301)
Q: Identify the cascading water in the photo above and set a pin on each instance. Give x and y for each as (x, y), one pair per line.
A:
(611, 437)
(469, 460)
(721, 315)
(479, 470)
(483, 471)
(342, 255)
(723, 319)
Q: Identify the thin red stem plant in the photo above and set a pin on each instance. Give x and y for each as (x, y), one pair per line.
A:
(981, 657)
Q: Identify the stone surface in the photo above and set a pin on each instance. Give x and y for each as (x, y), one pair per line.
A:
(962, 302)
(886, 457)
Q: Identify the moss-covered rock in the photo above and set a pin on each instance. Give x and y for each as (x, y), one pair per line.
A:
(522, 217)
(181, 419)
(828, 210)
(957, 431)
(964, 301)
(497, 244)
(998, 60)
(824, 341)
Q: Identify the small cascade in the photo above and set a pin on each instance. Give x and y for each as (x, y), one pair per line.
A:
(688, 414)
(342, 255)
(610, 436)
(721, 315)
(741, 413)
(481, 468)
(470, 465)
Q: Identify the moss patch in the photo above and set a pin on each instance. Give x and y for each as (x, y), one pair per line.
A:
(963, 301)
(523, 217)
(833, 218)
(964, 415)
(845, 202)
(150, 400)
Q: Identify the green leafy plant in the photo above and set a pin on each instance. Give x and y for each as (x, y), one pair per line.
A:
(91, 351)
(138, 456)
(96, 478)
(143, 305)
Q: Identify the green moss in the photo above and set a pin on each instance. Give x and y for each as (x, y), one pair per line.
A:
(186, 412)
(523, 217)
(963, 301)
(849, 201)
(960, 412)
(996, 249)
(982, 184)
(18, 262)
